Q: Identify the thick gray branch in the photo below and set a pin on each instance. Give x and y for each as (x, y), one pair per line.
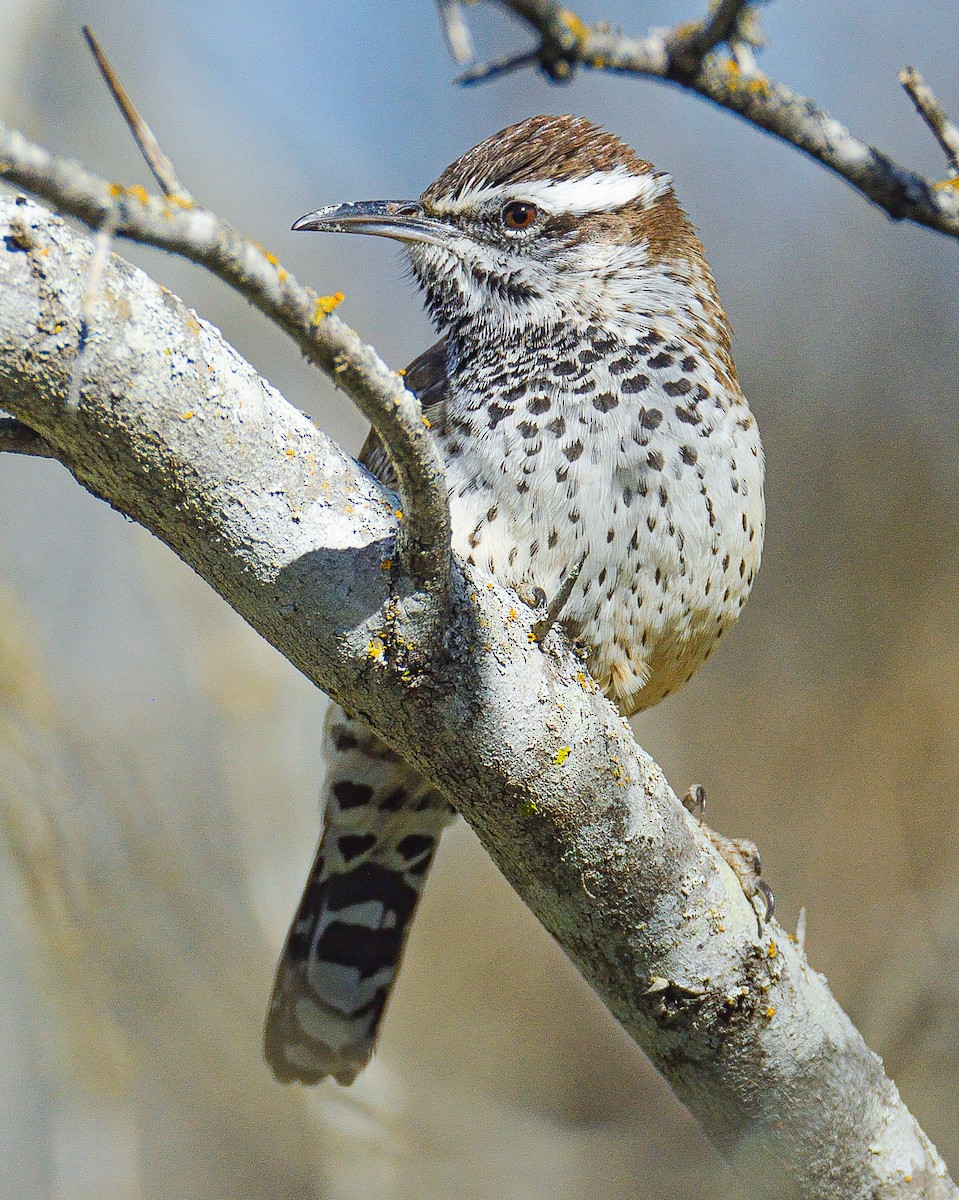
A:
(565, 42)
(174, 429)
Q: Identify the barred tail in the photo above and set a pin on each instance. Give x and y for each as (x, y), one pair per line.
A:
(381, 826)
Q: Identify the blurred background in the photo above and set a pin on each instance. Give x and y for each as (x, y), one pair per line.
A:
(159, 763)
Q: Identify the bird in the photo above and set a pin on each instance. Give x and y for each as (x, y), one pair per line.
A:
(584, 399)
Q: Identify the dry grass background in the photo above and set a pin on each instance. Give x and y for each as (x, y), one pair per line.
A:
(159, 763)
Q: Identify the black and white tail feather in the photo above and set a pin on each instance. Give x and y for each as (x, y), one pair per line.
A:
(344, 947)
(380, 828)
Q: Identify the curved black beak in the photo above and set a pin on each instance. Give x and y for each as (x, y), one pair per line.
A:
(400, 219)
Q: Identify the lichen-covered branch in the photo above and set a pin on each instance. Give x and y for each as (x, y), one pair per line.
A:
(174, 429)
(686, 56)
(183, 227)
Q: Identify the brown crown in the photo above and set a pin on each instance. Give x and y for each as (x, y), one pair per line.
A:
(556, 148)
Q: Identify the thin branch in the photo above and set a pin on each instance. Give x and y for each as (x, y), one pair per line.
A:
(18, 438)
(156, 160)
(199, 235)
(455, 30)
(933, 114)
(497, 67)
(564, 38)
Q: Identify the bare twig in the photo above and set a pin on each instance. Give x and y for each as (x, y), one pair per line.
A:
(498, 66)
(18, 438)
(933, 114)
(156, 160)
(196, 234)
(455, 30)
(733, 84)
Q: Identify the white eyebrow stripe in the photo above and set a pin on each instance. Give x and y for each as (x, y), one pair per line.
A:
(602, 191)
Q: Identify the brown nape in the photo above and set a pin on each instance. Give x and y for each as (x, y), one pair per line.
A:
(538, 148)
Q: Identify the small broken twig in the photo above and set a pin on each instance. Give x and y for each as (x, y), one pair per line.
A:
(143, 135)
(932, 112)
(455, 30)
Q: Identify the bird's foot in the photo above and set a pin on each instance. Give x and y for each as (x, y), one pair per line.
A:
(741, 854)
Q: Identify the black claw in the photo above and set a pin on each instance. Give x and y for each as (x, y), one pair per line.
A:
(694, 801)
(767, 894)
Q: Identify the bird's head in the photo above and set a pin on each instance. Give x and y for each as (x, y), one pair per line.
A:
(551, 220)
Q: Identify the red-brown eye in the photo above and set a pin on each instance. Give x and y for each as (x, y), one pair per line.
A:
(519, 215)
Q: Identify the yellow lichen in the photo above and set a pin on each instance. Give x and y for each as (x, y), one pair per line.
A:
(375, 648)
(771, 1011)
(773, 950)
(943, 185)
(530, 808)
(187, 416)
(561, 755)
(427, 423)
(577, 27)
(398, 513)
(325, 305)
(386, 564)
(290, 452)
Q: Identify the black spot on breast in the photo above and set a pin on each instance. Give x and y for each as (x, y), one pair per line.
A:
(689, 363)
(650, 418)
(557, 426)
(635, 383)
(677, 387)
(605, 402)
(565, 368)
(496, 413)
(528, 429)
(660, 361)
(552, 539)
(687, 415)
(688, 455)
(538, 405)
(655, 460)
(620, 366)
(573, 450)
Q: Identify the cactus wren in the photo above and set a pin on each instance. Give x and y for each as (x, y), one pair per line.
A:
(584, 398)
